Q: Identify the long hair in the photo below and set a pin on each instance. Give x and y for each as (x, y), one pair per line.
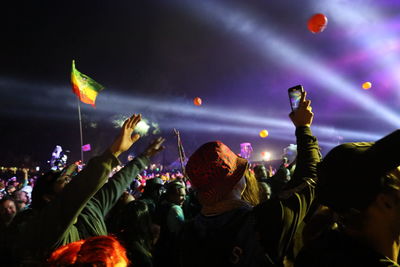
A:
(105, 251)
(135, 226)
(251, 193)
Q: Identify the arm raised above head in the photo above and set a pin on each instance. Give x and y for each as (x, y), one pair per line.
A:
(63, 211)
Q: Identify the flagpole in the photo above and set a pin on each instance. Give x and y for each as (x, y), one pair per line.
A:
(80, 128)
(86, 90)
(182, 156)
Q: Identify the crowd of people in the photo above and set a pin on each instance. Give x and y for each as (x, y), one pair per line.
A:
(343, 210)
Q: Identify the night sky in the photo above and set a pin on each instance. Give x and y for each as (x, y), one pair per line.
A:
(154, 57)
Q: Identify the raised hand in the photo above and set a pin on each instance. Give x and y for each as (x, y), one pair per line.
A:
(25, 171)
(154, 147)
(303, 116)
(125, 139)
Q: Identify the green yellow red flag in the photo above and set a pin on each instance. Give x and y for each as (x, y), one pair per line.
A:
(84, 87)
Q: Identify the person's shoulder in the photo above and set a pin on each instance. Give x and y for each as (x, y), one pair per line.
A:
(335, 249)
(388, 263)
(24, 216)
(176, 208)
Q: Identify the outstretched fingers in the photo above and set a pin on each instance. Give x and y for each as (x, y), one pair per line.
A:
(158, 142)
(134, 120)
(156, 145)
(126, 123)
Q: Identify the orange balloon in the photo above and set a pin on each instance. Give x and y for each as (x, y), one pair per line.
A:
(366, 85)
(317, 23)
(263, 133)
(197, 101)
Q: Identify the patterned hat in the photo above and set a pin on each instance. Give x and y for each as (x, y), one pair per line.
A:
(214, 170)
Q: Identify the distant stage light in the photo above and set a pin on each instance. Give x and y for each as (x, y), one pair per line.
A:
(141, 128)
(266, 155)
(119, 120)
(156, 128)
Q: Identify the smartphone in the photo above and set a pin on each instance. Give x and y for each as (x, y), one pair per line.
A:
(295, 93)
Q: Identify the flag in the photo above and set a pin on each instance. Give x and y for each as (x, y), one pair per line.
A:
(84, 87)
(86, 147)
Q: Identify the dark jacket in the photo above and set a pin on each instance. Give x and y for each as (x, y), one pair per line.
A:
(336, 249)
(77, 213)
(259, 236)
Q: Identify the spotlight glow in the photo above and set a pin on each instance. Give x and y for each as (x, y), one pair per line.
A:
(225, 119)
(277, 127)
(271, 45)
(266, 155)
(376, 37)
(141, 128)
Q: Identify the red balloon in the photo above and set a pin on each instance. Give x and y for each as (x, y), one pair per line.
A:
(197, 101)
(317, 23)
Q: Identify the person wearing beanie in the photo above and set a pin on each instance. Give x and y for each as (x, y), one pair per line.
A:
(152, 193)
(170, 218)
(360, 182)
(231, 232)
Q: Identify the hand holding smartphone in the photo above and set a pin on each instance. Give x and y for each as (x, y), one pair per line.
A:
(301, 114)
(295, 93)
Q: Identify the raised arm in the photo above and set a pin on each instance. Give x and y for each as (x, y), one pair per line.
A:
(63, 211)
(24, 183)
(278, 219)
(109, 194)
(308, 154)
